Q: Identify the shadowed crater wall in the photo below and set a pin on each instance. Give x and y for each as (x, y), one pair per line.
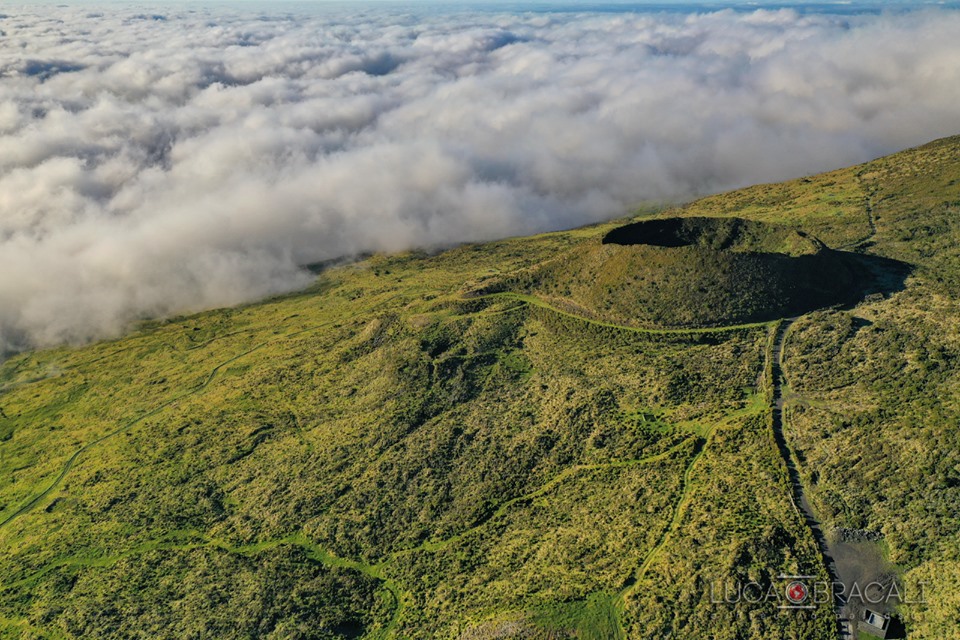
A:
(702, 272)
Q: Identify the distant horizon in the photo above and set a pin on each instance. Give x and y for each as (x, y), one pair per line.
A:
(803, 7)
(588, 5)
(839, 7)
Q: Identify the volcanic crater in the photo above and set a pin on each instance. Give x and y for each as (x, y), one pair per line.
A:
(707, 272)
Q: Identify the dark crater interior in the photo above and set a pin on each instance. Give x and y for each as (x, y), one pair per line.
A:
(719, 234)
(659, 233)
(676, 232)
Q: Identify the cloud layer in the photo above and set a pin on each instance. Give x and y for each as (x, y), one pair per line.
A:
(158, 163)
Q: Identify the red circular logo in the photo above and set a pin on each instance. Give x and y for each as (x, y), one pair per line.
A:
(797, 592)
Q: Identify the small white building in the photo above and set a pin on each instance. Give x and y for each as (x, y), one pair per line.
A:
(875, 623)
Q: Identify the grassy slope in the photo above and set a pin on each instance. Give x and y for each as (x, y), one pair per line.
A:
(380, 457)
(873, 406)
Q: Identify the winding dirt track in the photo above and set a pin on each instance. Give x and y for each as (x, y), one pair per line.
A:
(844, 628)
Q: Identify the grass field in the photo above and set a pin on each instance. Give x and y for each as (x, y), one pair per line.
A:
(401, 452)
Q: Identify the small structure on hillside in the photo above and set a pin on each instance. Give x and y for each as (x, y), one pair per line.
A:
(875, 623)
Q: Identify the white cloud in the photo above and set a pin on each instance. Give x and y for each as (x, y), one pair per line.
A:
(150, 167)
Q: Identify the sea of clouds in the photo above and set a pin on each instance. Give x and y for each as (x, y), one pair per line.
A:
(159, 162)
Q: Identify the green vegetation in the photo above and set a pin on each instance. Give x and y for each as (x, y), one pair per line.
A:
(697, 272)
(451, 446)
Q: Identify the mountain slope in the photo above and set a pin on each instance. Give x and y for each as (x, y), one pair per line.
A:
(431, 447)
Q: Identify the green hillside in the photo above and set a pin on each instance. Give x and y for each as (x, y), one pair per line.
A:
(512, 439)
